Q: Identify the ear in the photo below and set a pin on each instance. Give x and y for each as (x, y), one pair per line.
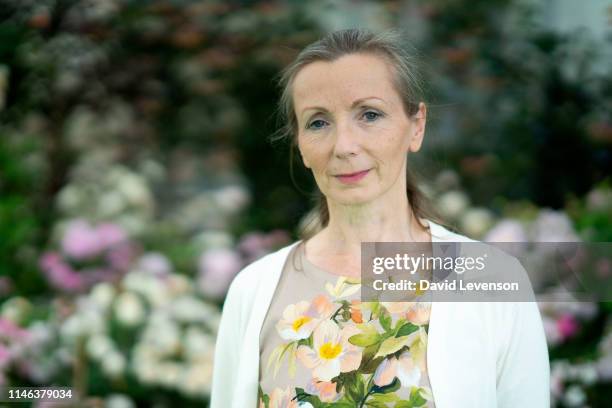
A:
(418, 128)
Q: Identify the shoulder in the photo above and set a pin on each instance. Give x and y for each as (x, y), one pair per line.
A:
(253, 274)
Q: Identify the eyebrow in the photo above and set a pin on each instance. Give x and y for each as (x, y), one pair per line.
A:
(355, 103)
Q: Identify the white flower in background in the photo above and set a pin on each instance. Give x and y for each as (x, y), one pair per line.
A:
(146, 370)
(476, 221)
(587, 373)
(427, 190)
(177, 285)
(102, 295)
(129, 309)
(155, 263)
(98, 346)
(232, 198)
(196, 379)
(513, 239)
(111, 204)
(553, 226)
(135, 223)
(198, 344)
(507, 230)
(190, 309)
(162, 334)
(604, 368)
(217, 267)
(147, 285)
(170, 374)
(72, 328)
(452, 204)
(86, 321)
(69, 198)
(574, 396)
(113, 364)
(99, 189)
(118, 401)
(599, 199)
(211, 239)
(134, 188)
(446, 180)
(15, 309)
(40, 332)
(152, 170)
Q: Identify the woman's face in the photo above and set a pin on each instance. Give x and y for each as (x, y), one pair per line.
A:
(353, 133)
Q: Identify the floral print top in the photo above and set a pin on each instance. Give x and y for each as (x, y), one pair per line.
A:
(322, 347)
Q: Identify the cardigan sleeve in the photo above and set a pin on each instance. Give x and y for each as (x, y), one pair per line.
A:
(227, 347)
(523, 370)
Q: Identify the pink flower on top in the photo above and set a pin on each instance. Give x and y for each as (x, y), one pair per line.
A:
(567, 325)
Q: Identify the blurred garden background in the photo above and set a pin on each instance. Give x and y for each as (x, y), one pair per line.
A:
(136, 176)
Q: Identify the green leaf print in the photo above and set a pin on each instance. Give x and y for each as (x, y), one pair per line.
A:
(392, 387)
(416, 398)
(303, 396)
(385, 320)
(406, 329)
(368, 362)
(415, 401)
(384, 398)
(364, 339)
(265, 398)
(376, 404)
(391, 345)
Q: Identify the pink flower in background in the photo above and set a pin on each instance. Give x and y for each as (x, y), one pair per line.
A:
(81, 241)
(217, 268)
(5, 357)
(59, 274)
(567, 325)
(254, 245)
(93, 275)
(110, 235)
(604, 268)
(553, 337)
(106, 244)
(10, 331)
(121, 256)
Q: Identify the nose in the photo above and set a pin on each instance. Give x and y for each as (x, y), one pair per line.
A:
(346, 143)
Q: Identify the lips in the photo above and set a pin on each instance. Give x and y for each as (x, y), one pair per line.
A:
(352, 177)
(351, 174)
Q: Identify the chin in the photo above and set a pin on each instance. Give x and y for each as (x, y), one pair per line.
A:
(353, 197)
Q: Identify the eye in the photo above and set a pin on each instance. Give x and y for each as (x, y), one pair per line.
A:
(372, 115)
(312, 124)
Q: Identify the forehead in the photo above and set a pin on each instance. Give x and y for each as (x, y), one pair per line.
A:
(344, 80)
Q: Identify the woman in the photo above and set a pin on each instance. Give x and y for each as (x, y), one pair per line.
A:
(293, 331)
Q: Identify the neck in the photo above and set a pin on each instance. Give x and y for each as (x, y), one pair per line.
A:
(388, 219)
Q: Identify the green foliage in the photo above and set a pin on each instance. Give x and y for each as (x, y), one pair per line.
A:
(21, 216)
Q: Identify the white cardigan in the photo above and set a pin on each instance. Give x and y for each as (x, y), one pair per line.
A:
(479, 354)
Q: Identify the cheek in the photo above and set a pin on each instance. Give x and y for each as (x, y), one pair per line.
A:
(390, 151)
